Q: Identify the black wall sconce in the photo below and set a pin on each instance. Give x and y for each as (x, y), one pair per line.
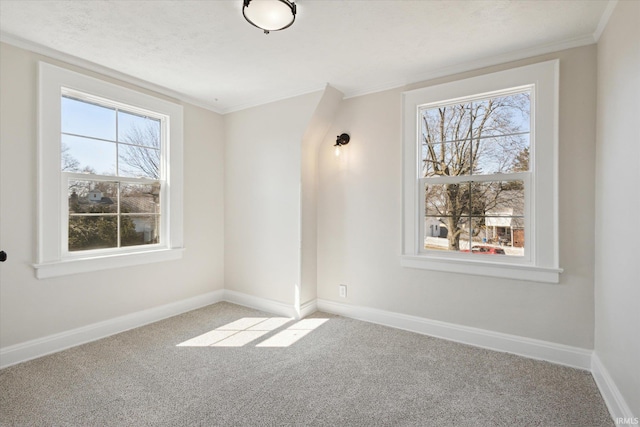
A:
(340, 141)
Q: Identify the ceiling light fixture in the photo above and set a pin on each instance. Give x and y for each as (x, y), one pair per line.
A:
(269, 15)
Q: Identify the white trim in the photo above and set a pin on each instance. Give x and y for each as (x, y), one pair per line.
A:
(574, 357)
(416, 78)
(269, 100)
(541, 203)
(271, 306)
(57, 342)
(39, 347)
(616, 404)
(92, 66)
(258, 303)
(52, 203)
(604, 19)
(86, 265)
(109, 72)
(308, 308)
(502, 270)
(477, 65)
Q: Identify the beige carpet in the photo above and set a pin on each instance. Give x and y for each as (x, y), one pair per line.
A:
(226, 365)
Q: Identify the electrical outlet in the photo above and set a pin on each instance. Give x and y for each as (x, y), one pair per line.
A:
(342, 289)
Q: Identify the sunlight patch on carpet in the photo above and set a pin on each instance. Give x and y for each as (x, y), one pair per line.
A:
(237, 333)
(248, 329)
(292, 334)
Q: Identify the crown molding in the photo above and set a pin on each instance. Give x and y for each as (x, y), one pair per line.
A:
(109, 72)
(503, 58)
(441, 72)
(604, 19)
(268, 100)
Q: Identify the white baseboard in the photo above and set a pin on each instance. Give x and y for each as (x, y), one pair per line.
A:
(271, 306)
(22, 352)
(535, 349)
(616, 404)
(39, 347)
(258, 303)
(308, 308)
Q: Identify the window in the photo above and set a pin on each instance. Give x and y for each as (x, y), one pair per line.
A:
(474, 173)
(111, 163)
(110, 175)
(480, 175)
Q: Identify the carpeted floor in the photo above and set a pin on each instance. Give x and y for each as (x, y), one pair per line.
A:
(226, 365)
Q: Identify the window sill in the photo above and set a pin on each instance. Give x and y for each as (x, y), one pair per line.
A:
(483, 268)
(96, 263)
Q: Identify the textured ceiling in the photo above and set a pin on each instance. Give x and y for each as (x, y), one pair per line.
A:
(206, 52)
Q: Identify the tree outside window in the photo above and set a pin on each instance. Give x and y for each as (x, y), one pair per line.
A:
(473, 156)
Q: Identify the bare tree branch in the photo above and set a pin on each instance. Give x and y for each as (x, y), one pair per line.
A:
(140, 157)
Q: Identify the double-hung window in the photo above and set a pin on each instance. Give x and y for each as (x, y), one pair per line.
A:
(480, 175)
(110, 175)
(113, 169)
(474, 173)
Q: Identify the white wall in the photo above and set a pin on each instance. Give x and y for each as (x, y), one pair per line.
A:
(359, 222)
(263, 197)
(617, 263)
(313, 138)
(31, 308)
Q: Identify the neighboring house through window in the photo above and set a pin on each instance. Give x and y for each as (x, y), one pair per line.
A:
(480, 175)
(110, 178)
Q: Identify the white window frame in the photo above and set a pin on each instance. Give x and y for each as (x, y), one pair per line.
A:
(53, 257)
(541, 260)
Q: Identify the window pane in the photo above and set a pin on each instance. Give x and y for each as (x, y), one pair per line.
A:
(430, 156)
(517, 236)
(447, 199)
(140, 198)
(479, 235)
(499, 235)
(139, 162)
(139, 130)
(503, 115)
(88, 155)
(500, 198)
(442, 124)
(435, 200)
(501, 154)
(92, 232)
(477, 217)
(86, 119)
(446, 234)
(139, 229)
(463, 129)
(449, 159)
(93, 197)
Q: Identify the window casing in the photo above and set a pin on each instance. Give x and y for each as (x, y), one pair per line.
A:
(480, 202)
(99, 204)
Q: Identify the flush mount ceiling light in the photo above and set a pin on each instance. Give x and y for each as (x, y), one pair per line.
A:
(269, 15)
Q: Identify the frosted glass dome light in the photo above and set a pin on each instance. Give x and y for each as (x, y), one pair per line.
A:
(269, 15)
